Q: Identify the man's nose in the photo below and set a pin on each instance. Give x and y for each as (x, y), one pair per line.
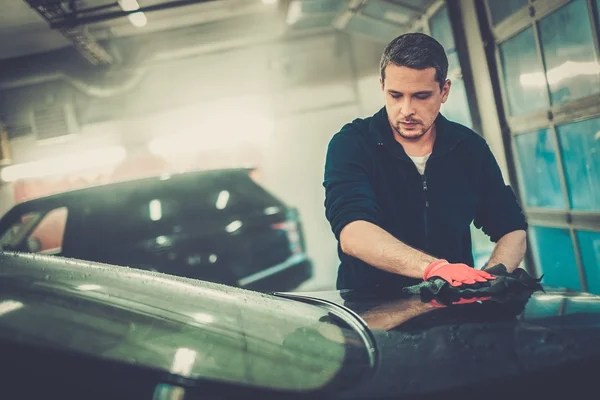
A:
(407, 108)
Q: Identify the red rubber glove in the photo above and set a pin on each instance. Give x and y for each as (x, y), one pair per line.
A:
(437, 304)
(456, 274)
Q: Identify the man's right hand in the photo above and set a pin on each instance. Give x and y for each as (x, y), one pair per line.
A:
(456, 274)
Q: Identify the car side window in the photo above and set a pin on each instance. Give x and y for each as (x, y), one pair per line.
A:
(37, 232)
(14, 235)
(47, 237)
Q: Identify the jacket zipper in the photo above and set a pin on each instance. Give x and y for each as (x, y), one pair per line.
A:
(424, 180)
(425, 209)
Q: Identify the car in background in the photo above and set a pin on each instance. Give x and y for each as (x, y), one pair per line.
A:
(75, 329)
(219, 226)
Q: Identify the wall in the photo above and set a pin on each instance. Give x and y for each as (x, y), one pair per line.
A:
(307, 86)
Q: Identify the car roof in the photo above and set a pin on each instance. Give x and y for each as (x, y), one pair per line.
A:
(125, 186)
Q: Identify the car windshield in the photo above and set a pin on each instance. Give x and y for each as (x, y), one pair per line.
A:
(189, 328)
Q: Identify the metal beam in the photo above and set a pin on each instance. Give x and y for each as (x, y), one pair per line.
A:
(82, 40)
(71, 20)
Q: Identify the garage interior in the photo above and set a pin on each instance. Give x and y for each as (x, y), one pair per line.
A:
(98, 91)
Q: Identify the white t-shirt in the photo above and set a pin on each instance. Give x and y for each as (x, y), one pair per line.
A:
(420, 162)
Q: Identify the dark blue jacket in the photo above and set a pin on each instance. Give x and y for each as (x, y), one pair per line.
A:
(368, 176)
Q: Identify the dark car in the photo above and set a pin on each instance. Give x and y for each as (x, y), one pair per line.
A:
(72, 329)
(219, 226)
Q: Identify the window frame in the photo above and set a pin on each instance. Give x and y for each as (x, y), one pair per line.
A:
(548, 118)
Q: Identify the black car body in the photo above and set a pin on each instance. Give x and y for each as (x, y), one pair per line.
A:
(219, 226)
(72, 329)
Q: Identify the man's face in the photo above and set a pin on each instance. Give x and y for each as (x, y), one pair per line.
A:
(412, 99)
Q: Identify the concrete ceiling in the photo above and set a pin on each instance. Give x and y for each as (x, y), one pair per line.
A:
(23, 31)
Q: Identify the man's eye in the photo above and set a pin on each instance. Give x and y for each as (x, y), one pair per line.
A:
(395, 96)
(422, 96)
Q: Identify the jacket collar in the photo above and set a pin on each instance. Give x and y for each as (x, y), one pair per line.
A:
(448, 136)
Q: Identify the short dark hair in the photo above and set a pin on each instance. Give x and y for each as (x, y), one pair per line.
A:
(417, 51)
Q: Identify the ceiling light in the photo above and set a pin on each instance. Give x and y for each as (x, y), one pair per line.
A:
(138, 19)
(129, 5)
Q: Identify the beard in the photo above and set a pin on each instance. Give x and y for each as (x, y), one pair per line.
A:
(415, 132)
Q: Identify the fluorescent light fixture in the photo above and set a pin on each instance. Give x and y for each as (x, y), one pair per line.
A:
(129, 5)
(269, 2)
(137, 19)
(7, 306)
(155, 210)
(204, 318)
(234, 226)
(102, 157)
(183, 362)
(222, 200)
(88, 287)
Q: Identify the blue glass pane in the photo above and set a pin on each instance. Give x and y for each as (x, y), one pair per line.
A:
(538, 172)
(457, 106)
(589, 246)
(580, 144)
(502, 9)
(554, 257)
(567, 41)
(441, 29)
(524, 79)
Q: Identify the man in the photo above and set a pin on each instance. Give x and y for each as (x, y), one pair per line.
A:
(403, 186)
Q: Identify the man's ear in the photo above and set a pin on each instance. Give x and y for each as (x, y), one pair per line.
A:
(381, 83)
(446, 90)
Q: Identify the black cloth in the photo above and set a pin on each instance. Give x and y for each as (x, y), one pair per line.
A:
(508, 286)
(368, 176)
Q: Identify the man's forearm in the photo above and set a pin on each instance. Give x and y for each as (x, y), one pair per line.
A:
(509, 250)
(375, 246)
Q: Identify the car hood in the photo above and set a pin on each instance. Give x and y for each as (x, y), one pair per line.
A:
(489, 346)
(200, 330)
(194, 329)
